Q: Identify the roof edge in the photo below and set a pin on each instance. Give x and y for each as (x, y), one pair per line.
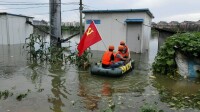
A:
(120, 11)
(5, 13)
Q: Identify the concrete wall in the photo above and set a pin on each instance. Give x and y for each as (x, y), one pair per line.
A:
(14, 29)
(146, 32)
(3, 30)
(187, 66)
(113, 28)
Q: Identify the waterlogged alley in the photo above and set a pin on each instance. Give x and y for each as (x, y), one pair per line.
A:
(43, 87)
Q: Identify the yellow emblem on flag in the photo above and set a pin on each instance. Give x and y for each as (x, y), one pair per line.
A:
(89, 31)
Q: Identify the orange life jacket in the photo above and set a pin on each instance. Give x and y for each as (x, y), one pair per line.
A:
(117, 59)
(126, 54)
(106, 58)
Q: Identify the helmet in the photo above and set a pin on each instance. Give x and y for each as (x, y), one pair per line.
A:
(111, 47)
(120, 48)
(122, 43)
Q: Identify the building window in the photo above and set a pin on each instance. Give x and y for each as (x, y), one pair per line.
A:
(95, 21)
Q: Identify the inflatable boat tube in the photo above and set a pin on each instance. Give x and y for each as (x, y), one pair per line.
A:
(97, 69)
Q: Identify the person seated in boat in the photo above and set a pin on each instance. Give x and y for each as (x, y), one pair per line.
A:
(108, 57)
(119, 57)
(125, 50)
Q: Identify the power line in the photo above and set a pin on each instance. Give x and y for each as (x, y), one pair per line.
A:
(69, 10)
(31, 2)
(72, 3)
(45, 13)
(25, 7)
(88, 7)
(61, 11)
(14, 2)
(35, 5)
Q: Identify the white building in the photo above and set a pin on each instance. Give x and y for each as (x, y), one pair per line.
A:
(74, 23)
(131, 25)
(40, 23)
(14, 29)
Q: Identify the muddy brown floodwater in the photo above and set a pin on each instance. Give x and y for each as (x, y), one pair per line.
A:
(50, 88)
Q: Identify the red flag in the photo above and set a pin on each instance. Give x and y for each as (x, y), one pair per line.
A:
(90, 37)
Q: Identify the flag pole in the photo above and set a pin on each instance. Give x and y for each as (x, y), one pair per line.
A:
(101, 38)
(104, 44)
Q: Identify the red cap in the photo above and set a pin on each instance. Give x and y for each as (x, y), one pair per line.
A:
(111, 47)
(120, 48)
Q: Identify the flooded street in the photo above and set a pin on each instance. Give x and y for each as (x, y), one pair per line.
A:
(49, 88)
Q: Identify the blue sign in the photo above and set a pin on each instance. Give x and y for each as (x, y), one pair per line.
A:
(95, 21)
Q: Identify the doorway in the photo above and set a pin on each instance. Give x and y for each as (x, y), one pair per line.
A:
(134, 37)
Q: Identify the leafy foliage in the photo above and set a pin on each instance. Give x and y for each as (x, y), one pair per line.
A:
(80, 61)
(149, 108)
(22, 95)
(54, 54)
(187, 43)
(29, 45)
(5, 94)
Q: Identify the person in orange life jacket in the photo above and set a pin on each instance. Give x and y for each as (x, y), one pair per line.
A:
(108, 57)
(119, 58)
(125, 50)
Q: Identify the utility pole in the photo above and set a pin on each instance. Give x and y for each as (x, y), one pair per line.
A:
(55, 22)
(81, 27)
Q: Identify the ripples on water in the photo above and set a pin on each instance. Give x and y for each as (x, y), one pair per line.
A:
(67, 89)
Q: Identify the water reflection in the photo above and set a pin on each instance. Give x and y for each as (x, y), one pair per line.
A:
(101, 92)
(89, 90)
(106, 89)
(58, 88)
(33, 73)
(89, 99)
(185, 86)
(11, 59)
(65, 88)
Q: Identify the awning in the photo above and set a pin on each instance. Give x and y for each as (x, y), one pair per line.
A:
(134, 20)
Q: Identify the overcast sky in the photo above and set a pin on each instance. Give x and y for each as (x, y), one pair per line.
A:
(163, 10)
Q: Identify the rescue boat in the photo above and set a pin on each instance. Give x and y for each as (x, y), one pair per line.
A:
(97, 69)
